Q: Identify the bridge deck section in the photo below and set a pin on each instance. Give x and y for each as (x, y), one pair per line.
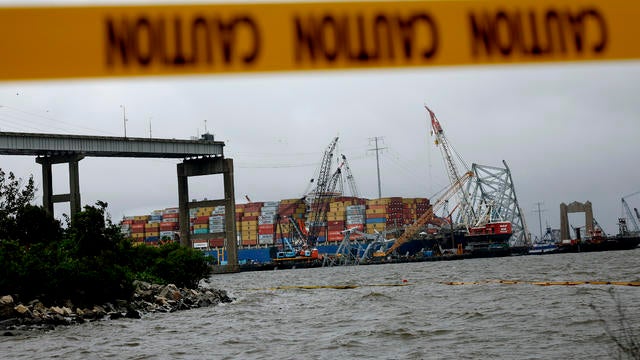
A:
(105, 146)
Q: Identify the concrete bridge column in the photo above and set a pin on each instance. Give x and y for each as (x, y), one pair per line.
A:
(208, 166)
(73, 196)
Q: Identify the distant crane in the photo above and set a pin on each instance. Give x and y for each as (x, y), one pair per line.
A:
(349, 175)
(627, 211)
(319, 198)
(466, 214)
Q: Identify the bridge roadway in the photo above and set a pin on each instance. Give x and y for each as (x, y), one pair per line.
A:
(200, 157)
(12, 143)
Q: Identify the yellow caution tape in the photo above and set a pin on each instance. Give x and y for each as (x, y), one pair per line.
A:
(338, 287)
(137, 40)
(545, 283)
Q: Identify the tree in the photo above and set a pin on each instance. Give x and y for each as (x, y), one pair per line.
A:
(14, 194)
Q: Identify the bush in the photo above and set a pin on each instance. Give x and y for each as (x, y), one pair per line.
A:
(88, 263)
(181, 266)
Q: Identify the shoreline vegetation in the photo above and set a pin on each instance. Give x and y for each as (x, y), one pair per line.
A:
(52, 274)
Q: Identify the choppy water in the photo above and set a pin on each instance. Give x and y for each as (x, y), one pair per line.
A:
(423, 320)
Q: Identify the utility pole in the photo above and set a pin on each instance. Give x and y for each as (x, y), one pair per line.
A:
(149, 127)
(539, 211)
(124, 119)
(377, 150)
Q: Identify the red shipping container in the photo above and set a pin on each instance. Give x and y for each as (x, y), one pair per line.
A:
(268, 227)
(137, 228)
(335, 233)
(168, 226)
(356, 226)
(170, 216)
(336, 222)
(216, 243)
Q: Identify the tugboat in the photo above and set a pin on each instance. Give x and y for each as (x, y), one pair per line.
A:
(546, 245)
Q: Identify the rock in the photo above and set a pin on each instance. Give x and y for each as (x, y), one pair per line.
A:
(115, 315)
(161, 300)
(99, 311)
(203, 302)
(87, 314)
(169, 292)
(38, 306)
(56, 310)
(6, 300)
(132, 314)
(66, 311)
(141, 285)
(22, 310)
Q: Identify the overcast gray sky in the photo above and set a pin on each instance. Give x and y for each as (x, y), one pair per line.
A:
(569, 132)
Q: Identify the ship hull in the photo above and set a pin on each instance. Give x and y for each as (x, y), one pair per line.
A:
(620, 242)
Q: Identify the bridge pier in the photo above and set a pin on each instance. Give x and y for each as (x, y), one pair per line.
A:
(73, 196)
(209, 166)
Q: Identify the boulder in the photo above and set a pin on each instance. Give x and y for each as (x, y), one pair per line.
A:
(132, 314)
(170, 292)
(161, 300)
(99, 311)
(56, 310)
(6, 300)
(22, 310)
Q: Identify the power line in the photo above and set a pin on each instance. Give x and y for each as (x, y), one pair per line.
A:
(540, 211)
(377, 149)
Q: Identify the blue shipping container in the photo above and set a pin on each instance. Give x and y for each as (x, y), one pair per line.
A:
(377, 220)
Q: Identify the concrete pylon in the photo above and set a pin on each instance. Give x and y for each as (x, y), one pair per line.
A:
(575, 207)
(209, 166)
(73, 196)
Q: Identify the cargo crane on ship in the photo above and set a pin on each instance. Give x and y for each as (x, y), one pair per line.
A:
(488, 205)
(301, 248)
(631, 219)
(349, 176)
(466, 214)
(319, 198)
(428, 216)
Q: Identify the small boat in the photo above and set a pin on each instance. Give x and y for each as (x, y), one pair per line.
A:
(544, 247)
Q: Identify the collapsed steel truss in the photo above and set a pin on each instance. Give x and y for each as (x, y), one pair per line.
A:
(493, 194)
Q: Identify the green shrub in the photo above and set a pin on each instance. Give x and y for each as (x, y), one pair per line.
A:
(90, 262)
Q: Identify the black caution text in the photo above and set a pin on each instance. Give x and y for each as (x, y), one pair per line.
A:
(362, 39)
(173, 41)
(537, 33)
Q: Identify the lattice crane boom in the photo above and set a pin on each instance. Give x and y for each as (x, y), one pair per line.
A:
(468, 213)
(629, 214)
(319, 199)
(349, 175)
(430, 213)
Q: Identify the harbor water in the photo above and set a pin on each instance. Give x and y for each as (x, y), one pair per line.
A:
(359, 313)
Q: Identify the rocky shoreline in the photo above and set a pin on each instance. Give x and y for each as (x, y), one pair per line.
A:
(147, 298)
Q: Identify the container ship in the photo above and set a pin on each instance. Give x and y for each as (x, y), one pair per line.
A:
(264, 228)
